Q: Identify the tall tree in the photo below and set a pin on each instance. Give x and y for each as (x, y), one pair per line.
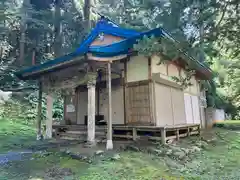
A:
(57, 28)
(205, 29)
(86, 14)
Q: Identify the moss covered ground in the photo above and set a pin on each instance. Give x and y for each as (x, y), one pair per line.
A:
(218, 157)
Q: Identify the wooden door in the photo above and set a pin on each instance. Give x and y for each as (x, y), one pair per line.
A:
(138, 104)
(192, 109)
(196, 109)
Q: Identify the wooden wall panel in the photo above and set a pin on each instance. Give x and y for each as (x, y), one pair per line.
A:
(164, 111)
(82, 106)
(178, 106)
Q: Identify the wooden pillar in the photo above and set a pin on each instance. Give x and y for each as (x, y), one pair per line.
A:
(49, 118)
(188, 131)
(109, 123)
(134, 134)
(91, 111)
(177, 134)
(39, 112)
(163, 135)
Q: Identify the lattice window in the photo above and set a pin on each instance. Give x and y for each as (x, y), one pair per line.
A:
(138, 108)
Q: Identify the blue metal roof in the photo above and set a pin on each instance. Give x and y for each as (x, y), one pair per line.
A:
(103, 26)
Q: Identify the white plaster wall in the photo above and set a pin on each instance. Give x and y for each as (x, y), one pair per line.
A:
(117, 105)
(167, 71)
(170, 70)
(72, 116)
(173, 72)
(137, 69)
(194, 89)
(82, 106)
(158, 68)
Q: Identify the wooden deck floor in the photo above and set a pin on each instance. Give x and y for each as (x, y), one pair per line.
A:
(134, 132)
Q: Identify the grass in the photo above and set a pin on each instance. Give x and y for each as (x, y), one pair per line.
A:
(15, 135)
(220, 159)
(229, 124)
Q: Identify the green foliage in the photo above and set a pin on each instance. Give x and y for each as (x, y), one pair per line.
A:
(168, 50)
(32, 26)
(185, 81)
(206, 30)
(25, 109)
(162, 47)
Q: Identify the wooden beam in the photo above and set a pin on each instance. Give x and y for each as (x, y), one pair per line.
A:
(102, 84)
(149, 68)
(66, 64)
(109, 124)
(156, 77)
(125, 91)
(138, 83)
(103, 59)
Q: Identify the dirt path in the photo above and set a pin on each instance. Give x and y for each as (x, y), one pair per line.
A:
(15, 156)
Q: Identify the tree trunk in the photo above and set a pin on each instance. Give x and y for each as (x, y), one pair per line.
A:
(201, 36)
(33, 57)
(39, 115)
(25, 6)
(57, 29)
(86, 14)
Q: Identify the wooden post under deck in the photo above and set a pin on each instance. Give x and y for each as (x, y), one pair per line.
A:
(91, 111)
(109, 123)
(49, 118)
